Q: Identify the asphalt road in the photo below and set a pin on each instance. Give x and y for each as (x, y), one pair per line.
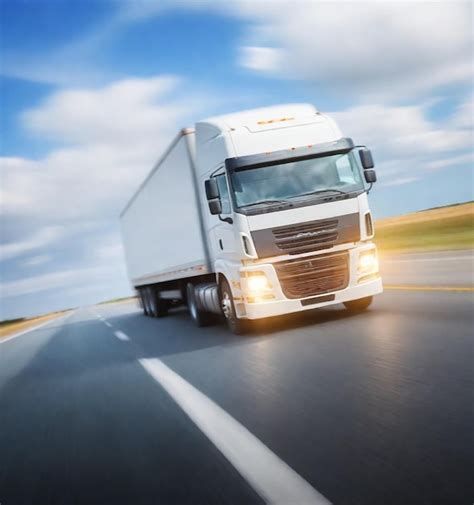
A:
(375, 408)
(446, 268)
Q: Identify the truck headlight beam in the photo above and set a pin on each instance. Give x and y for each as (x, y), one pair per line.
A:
(368, 262)
(257, 284)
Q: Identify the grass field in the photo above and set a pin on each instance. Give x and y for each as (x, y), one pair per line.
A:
(8, 328)
(443, 228)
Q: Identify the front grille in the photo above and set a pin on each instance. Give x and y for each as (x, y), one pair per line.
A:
(306, 237)
(313, 275)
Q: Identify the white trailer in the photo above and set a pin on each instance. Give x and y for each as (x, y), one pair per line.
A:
(254, 214)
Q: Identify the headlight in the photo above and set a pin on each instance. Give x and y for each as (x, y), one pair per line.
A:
(368, 262)
(257, 283)
(256, 286)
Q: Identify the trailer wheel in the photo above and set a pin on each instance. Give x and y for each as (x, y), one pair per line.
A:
(145, 302)
(235, 325)
(158, 306)
(199, 316)
(358, 305)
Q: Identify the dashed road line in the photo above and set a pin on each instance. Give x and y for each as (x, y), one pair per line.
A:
(107, 324)
(265, 472)
(121, 335)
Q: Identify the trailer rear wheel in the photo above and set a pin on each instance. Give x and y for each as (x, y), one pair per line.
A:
(359, 305)
(235, 325)
(199, 316)
(158, 306)
(145, 301)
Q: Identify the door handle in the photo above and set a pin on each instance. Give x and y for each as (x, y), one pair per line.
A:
(220, 245)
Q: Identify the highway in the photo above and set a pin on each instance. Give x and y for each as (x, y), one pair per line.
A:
(106, 406)
(434, 269)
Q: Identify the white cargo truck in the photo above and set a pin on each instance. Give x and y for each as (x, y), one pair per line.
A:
(254, 214)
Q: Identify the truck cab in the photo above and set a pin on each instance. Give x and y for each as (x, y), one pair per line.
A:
(283, 196)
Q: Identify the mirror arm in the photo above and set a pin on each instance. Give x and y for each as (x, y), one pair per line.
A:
(370, 187)
(226, 219)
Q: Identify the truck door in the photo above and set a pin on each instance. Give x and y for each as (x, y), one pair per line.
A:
(223, 240)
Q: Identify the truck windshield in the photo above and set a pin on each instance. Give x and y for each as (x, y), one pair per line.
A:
(312, 178)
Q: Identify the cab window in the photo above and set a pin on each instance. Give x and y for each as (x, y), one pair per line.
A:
(224, 194)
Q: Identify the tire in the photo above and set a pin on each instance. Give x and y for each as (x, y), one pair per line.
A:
(199, 316)
(145, 301)
(359, 305)
(158, 306)
(235, 325)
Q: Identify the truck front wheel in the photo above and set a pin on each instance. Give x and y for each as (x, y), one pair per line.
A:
(236, 325)
(359, 305)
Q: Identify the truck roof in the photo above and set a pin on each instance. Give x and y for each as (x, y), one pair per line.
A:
(263, 116)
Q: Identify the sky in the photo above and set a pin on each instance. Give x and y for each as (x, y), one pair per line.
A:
(92, 92)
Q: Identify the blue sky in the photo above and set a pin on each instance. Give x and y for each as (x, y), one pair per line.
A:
(92, 91)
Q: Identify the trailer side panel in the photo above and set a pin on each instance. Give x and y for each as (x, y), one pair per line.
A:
(161, 225)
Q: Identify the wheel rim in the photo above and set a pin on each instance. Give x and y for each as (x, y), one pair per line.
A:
(226, 304)
(148, 302)
(192, 302)
(153, 307)
(193, 309)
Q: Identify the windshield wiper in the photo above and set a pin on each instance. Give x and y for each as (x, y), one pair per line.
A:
(268, 202)
(319, 191)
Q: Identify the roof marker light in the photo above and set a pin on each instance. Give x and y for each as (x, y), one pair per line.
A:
(270, 121)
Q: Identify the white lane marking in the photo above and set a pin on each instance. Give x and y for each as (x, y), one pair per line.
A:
(6, 339)
(271, 477)
(107, 324)
(413, 260)
(121, 335)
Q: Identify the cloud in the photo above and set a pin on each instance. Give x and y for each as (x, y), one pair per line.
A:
(365, 51)
(68, 202)
(369, 51)
(35, 261)
(403, 138)
(120, 112)
(55, 280)
(266, 59)
(405, 130)
(111, 137)
(464, 115)
(439, 164)
(39, 240)
(399, 181)
(70, 64)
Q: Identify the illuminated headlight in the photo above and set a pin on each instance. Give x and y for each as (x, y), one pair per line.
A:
(257, 283)
(368, 262)
(256, 286)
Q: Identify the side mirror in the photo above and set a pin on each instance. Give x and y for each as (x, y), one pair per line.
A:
(212, 189)
(366, 159)
(370, 176)
(215, 206)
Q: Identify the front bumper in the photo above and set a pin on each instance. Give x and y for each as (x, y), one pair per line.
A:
(279, 307)
(357, 287)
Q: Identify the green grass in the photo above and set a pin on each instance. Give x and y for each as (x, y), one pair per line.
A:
(445, 228)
